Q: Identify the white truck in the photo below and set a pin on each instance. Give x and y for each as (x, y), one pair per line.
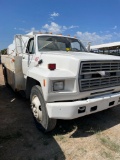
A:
(62, 79)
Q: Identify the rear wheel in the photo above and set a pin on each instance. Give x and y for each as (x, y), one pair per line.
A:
(39, 111)
(5, 75)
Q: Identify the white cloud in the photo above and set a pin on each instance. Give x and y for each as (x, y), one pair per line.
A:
(20, 29)
(64, 28)
(54, 14)
(116, 36)
(56, 28)
(53, 27)
(31, 30)
(94, 38)
(71, 27)
(115, 27)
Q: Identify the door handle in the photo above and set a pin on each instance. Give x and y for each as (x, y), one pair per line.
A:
(23, 57)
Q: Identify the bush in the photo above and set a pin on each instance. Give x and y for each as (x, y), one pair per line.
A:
(4, 51)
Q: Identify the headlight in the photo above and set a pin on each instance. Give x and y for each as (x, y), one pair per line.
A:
(59, 85)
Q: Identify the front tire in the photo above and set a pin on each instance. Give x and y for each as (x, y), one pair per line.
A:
(39, 111)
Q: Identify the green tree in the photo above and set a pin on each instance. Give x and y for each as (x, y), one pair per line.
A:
(4, 51)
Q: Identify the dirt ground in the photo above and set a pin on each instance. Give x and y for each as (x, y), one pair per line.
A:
(94, 137)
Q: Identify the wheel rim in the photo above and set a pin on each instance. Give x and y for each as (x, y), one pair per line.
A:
(36, 108)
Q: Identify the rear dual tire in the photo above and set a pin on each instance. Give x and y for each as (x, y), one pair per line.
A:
(5, 75)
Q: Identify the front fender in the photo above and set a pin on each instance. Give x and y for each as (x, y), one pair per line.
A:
(44, 76)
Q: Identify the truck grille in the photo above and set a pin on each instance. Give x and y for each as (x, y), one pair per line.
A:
(99, 74)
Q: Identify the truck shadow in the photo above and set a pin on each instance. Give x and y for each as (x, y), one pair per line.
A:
(19, 138)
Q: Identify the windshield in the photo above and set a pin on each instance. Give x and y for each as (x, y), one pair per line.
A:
(54, 43)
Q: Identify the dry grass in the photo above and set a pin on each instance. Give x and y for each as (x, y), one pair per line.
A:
(111, 145)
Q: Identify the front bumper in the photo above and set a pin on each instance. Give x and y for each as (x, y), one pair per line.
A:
(71, 110)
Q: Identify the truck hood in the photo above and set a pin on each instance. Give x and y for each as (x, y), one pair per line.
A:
(83, 55)
(70, 61)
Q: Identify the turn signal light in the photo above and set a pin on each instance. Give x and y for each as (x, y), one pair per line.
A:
(52, 66)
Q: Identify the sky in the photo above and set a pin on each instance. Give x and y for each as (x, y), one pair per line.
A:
(95, 21)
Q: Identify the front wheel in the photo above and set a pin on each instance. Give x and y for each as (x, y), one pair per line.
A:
(39, 111)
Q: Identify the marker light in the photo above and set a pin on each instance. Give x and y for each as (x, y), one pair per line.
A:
(44, 82)
(52, 66)
(13, 60)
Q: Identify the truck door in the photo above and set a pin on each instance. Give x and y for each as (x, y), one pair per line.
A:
(28, 58)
